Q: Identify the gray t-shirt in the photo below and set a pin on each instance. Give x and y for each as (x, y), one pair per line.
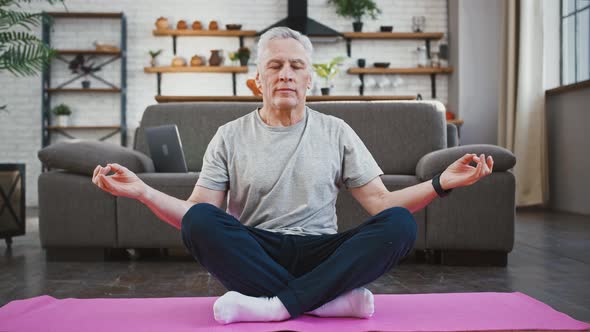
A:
(286, 179)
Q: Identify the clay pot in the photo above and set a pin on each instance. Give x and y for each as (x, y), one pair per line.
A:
(197, 25)
(162, 23)
(215, 59)
(178, 61)
(213, 25)
(181, 25)
(196, 61)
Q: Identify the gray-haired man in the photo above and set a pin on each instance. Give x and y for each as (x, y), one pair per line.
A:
(276, 248)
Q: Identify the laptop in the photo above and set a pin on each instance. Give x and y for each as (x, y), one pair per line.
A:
(166, 149)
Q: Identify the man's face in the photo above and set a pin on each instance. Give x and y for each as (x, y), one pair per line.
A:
(283, 74)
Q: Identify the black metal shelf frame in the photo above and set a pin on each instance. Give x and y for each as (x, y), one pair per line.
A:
(46, 78)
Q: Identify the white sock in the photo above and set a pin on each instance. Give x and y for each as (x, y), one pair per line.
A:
(235, 307)
(356, 303)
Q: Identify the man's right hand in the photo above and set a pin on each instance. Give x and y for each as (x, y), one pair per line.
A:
(123, 183)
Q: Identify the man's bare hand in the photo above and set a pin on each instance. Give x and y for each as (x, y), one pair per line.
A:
(123, 183)
(461, 174)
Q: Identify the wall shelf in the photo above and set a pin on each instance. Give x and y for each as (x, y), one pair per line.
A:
(171, 99)
(405, 71)
(82, 127)
(63, 130)
(84, 15)
(204, 33)
(88, 52)
(197, 69)
(394, 35)
(89, 90)
(174, 33)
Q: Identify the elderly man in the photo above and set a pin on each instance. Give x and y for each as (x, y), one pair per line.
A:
(276, 248)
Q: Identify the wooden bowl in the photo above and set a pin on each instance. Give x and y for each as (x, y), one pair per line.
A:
(233, 26)
(381, 64)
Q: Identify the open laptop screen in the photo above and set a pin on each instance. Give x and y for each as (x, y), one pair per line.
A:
(166, 149)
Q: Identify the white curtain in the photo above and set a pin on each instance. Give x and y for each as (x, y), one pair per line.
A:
(521, 120)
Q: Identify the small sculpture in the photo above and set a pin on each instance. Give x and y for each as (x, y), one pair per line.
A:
(215, 59)
(178, 61)
(181, 25)
(162, 23)
(197, 25)
(213, 25)
(196, 61)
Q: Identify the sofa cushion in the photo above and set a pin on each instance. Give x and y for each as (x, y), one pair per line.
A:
(437, 161)
(73, 212)
(139, 227)
(398, 133)
(82, 156)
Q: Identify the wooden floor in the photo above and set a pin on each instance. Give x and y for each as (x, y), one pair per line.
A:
(550, 262)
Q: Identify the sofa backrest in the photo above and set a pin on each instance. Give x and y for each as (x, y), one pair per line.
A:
(397, 133)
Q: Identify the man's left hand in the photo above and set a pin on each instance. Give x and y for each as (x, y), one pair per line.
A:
(461, 174)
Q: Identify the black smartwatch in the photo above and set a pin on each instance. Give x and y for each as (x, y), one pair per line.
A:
(439, 190)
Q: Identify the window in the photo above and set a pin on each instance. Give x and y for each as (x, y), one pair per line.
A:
(575, 41)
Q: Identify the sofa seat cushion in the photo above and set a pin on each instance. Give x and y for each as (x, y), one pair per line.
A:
(139, 227)
(73, 212)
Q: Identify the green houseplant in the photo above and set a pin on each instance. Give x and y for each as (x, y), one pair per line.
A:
(356, 9)
(22, 53)
(62, 113)
(242, 54)
(327, 71)
(154, 55)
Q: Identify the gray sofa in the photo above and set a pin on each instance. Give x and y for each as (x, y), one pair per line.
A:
(411, 141)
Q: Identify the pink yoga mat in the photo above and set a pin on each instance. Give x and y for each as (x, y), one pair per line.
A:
(412, 312)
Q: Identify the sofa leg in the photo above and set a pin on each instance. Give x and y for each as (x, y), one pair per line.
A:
(470, 258)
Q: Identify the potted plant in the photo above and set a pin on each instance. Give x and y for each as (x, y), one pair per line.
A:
(243, 54)
(327, 71)
(79, 65)
(356, 9)
(62, 113)
(153, 55)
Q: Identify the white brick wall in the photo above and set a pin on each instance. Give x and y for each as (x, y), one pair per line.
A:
(20, 130)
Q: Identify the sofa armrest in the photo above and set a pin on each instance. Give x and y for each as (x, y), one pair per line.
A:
(82, 156)
(437, 161)
(452, 135)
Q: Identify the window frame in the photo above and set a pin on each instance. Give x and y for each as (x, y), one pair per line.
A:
(576, 14)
